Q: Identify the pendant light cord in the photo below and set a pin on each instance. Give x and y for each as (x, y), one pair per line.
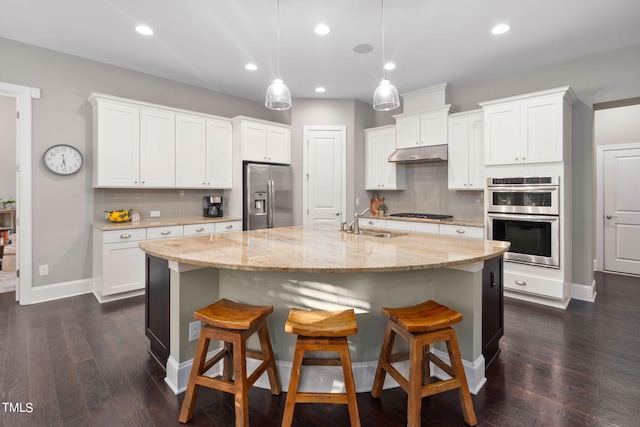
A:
(384, 70)
(278, 39)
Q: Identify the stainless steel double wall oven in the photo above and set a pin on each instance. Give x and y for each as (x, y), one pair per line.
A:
(525, 211)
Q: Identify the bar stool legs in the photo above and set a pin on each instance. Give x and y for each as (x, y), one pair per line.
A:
(415, 325)
(235, 379)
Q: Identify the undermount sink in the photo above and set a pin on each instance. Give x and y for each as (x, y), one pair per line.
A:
(384, 235)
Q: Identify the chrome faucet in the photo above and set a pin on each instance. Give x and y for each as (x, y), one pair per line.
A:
(354, 227)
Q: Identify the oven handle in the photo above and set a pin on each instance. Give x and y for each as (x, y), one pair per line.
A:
(536, 188)
(520, 217)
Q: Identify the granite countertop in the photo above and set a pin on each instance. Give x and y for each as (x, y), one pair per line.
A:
(158, 222)
(323, 249)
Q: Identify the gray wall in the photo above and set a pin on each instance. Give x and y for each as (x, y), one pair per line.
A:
(63, 207)
(618, 125)
(7, 148)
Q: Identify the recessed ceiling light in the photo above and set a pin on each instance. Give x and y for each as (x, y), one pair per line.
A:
(363, 48)
(389, 66)
(320, 89)
(251, 67)
(322, 30)
(500, 29)
(143, 29)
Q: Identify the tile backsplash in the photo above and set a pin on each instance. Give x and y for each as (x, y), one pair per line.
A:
(427, 192)
(171, 203)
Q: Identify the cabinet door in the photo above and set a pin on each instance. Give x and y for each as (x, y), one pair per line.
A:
(374, 140)
(433, 128)
(123, 268)
(219, 154)
(190, 151)
(389, 171)
(157, 148)
(116, 146)
(476, 152)
(459, 153)
(278, 145)
(541, 130)
(502, 134)
(408, 132)
(254, 141)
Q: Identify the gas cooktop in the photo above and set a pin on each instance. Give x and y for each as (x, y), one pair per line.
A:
(422, 215)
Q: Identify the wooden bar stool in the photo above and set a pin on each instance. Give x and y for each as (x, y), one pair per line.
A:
(232, 323)
(321, 331)
(422, 325)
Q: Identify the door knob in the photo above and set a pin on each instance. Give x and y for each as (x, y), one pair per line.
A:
(611, 216)
(337, 214)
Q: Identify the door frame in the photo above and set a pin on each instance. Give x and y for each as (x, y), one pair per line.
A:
(305, 165)
(23, 95)
(599, 219)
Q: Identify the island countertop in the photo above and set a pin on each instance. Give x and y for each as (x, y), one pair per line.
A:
(323, 249)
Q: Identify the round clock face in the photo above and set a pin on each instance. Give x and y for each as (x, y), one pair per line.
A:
(63, 159)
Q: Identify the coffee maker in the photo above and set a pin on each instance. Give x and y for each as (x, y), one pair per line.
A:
(212, 206)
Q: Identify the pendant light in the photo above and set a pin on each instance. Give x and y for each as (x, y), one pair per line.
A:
(385, 97)
(278, 96)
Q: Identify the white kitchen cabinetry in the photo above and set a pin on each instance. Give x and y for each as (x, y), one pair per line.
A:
(164, 232)
(264, 141)
(414, 227)
(462, 231)
(227, 226)
(372, 223)
(118, 261)
(203, 152)
(379, 172)
(529, 128)
(157, 148)
(423, 128)
(466, 155)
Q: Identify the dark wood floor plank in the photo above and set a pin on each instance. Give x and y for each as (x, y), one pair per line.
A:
(85, 364)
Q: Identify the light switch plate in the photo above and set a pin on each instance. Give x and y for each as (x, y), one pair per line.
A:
(154, 214)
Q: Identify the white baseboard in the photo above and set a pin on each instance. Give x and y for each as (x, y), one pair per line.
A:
(584, 292)
(557, 303)
(115, 297)
(331, 376)
(61, 290)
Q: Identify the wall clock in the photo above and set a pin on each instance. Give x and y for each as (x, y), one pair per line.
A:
(63, 159)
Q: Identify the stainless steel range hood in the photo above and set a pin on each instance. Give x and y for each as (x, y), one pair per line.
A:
(430, 153)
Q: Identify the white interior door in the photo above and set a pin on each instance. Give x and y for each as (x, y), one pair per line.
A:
(325, 175)
(622, 211)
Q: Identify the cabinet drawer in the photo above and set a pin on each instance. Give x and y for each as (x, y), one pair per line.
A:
(372, 223)
(533, 285)
(164, 232)
(129, 235)
(225, 227)
(416, 227)
(461, 231)
(195, 229)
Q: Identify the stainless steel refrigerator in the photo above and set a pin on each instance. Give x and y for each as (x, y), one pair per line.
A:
(268, 196)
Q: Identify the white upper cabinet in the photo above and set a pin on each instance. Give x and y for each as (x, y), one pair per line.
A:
(137, 144)
(157, 148)
(423, 128)
(203, 152)
(466, 155)
(380, 174)
(265, 142)
(116, 145)
(530, 128)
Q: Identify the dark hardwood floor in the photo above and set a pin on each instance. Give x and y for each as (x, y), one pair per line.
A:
(75, 362)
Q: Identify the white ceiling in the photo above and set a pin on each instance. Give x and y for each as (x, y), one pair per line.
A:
(208, 42)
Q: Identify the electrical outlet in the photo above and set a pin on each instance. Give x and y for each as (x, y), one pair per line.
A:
(357, 201)
(154, 214)
(44, 269)
(194, 330)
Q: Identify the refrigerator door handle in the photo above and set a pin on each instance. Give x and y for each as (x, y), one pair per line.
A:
(270, 197)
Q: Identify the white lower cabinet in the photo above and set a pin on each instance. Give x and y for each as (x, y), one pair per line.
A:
(118, 261)
(462, 231)
(415, 227)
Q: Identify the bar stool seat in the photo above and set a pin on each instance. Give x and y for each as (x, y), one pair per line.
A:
(421, 325)
(233, 323)
(321, 331)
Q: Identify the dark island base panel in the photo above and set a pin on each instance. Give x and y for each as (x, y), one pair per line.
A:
(157, 308)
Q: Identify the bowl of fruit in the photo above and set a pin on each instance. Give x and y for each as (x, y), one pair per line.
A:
(121, 215)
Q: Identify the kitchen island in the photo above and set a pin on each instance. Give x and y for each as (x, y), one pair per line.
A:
(318, 267)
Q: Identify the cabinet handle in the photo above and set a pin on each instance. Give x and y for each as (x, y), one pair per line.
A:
(493, 279)
(460, 231)
(203, 183)
(135, 182)
(200, 229)
(165, 232)
(125, 236)
(228, 227)
(144, 182)
(523, 159)
(521, 283)
(470, 185)
(371, 223)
